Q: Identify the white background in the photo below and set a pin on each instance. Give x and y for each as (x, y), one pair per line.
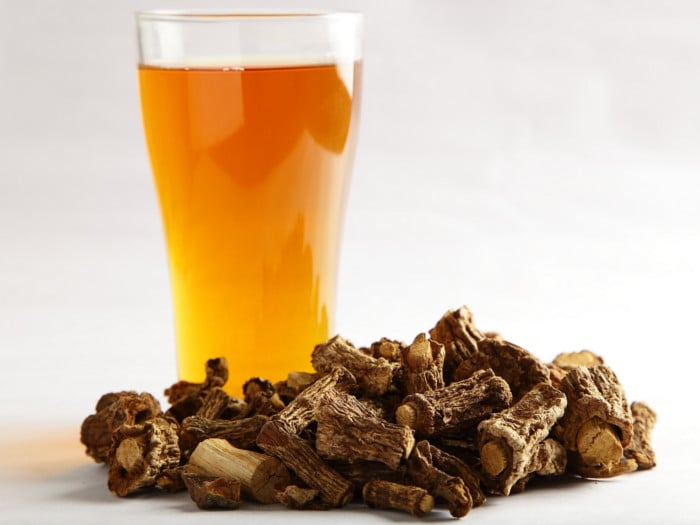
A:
(535, 160)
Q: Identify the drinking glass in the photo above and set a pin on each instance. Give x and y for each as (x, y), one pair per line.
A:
(251, 123)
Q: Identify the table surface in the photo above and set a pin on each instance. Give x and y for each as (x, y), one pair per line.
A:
(535, 160)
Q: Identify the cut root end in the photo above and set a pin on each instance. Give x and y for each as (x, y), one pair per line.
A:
(494, 458)
(598, 443)
(406, 415)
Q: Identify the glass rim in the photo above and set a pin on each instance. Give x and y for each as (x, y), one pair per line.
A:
(227, 15)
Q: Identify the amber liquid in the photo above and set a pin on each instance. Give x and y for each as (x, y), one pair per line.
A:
(252, 169)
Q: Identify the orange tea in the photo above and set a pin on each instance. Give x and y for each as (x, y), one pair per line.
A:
(251, 167)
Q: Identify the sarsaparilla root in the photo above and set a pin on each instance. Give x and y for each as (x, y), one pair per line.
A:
(433, 425)
(512, 441)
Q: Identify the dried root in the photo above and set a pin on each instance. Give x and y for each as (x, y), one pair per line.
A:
(258, 474)
(140, 453)
(438, 483)
(112, 411)
(387, 495)
(209, 492)
(348, 431)
(640, 449)
(457, 332)
(455, 407)
(300, 457)
(597, 424)
(511, 440)
(488, 416)
(518, 367)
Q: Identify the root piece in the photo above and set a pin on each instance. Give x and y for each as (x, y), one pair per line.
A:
(388, 495)
(422, 365)
(139, 453)
(349, 431)
(640, 449)
(623, 466)
(456, 406)
(551, 458)
(598, 443)
(510, 440)
(170, 480)
(556, 374)
(296, 382)
(570, 360)
(279, 441)
(300, 498)
(438, 483)
(210, 492)
(521, 369)
(299, 413)
(300, 380)
(389, 349)
(375, 375)
(597, 423)
(216, 375)
(112, 411)
(566, 361)
(457, 332)
(186, 398)
(261, 397)
(454, 466)
(258, 474)
(241, 433)
(215, 403)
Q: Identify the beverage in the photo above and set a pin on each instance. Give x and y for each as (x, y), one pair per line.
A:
(252, 167)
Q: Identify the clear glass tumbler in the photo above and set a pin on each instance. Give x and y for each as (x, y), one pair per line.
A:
(251, 124)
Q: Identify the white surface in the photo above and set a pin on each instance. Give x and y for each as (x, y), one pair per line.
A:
(537, 161)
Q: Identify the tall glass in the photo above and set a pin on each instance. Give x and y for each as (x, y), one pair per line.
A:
(251, 124)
